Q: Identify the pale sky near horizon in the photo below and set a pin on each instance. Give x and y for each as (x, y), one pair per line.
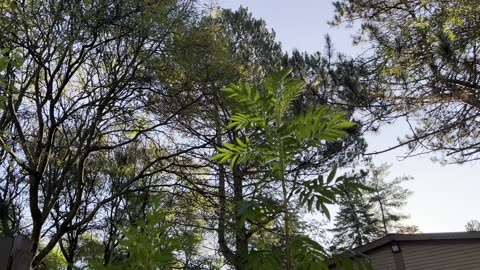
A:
(445, 197)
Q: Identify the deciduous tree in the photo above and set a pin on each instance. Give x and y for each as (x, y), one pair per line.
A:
(280, 136)
(79, 93)
(472, 226)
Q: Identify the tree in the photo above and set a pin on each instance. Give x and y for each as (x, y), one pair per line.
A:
(388, 196)
(472, 226)
(11, 201)
(424, 66)
(280, 136)
(150, 243)
(356, 222)
(100, 241)
(54, 260)
(365, 217)
(226, 47)
(223, 47)
(79, 94)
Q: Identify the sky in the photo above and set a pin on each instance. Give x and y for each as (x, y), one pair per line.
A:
(445, 197)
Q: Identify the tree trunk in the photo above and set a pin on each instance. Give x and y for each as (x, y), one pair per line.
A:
(384, 219)
(36, 214)
(222, 212)
(241, 237)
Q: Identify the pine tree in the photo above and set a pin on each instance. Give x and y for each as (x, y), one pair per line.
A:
(423, 65)
(356, 223)
(365, 217)
(388, 197)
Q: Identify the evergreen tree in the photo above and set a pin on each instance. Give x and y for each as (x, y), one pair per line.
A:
(363, 218)
(424, 65)
(356, 222)
(388, 197)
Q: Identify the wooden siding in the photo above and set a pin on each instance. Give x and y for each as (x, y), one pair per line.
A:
(441, 255)
(449, 254)
(382, 258)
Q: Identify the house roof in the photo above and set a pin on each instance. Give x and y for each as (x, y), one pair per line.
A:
(417, 237)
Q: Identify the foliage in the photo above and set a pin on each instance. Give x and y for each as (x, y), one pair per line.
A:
(364, 217)
(161, 192)
(280, 136)
(250, 43)
(356, 222)
(294, 133)
(424, 66)
(54, 260)
(79, 94)
(90, 248)
(229, 46)
(150, 244)
(10, 57)
(472, 226)
(329, 80)
(408, 229)
(388, 196)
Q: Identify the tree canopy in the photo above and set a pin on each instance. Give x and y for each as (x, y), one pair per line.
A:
(160, 135)
(424, 67)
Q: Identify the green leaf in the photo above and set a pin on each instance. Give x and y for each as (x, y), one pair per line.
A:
(343, 125)
(233, 160)
(331, 175)
(3, 63)
(239, 142)
(218, 156)
(325, 211)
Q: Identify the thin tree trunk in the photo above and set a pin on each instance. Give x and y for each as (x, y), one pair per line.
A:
(241, 237)
(384, 219)
(222, 212)
(286, 217)
(36, 214)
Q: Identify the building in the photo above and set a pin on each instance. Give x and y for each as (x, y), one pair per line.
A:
(428, 251)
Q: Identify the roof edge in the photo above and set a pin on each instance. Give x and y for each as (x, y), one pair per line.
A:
(417, 237)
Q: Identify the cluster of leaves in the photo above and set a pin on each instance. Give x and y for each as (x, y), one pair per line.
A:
(10, 57)
(14, 59)
(323, 192)
(280, 136)
(150, 244)
(270, 111)
(54, 260)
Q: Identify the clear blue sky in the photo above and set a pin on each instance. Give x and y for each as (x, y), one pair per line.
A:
(445, 197)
